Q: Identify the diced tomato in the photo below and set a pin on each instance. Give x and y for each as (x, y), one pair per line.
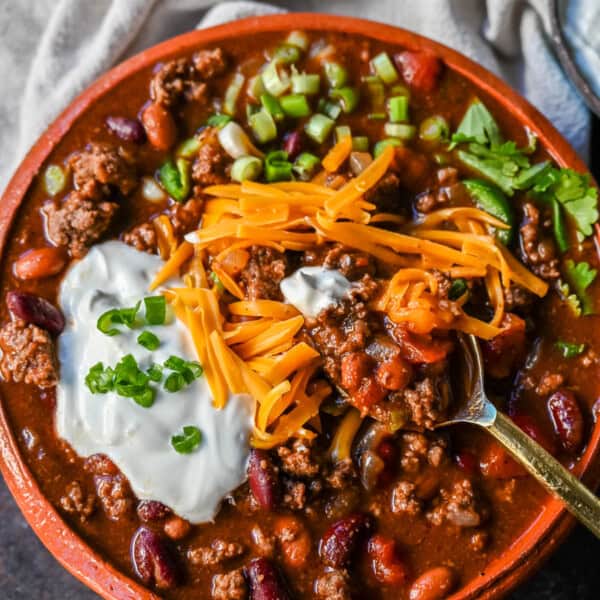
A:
(502, 353)
(421, 70)
(387, 566)
(496, 462)
(355, 366)
(369, 393)
(418, 349)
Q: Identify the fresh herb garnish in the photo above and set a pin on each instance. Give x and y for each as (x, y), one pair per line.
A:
(156, 310)
(567, 296)
(117, 316)
(477, 126)
(100, 379)
(457, 289)
(188, 441)
(218, 120)
(148, 340)
(568, 349)
(580, 276)
(155, 373)
(184, 372)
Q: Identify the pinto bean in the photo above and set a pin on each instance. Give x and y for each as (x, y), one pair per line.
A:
(39, 263)
(37, 310)
(387, 566)
(128, 130)
(567, 419)
(159, 126)
(263, 479)
(177, 528)
(434, 584)
(265, 581)
(294, 540)
(340, 541)
(152, 560)
(152, 510)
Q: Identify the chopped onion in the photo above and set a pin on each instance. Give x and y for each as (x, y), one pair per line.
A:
(235, 141)
(151, 191)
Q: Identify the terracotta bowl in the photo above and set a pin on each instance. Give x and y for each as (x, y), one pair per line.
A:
(553, 522)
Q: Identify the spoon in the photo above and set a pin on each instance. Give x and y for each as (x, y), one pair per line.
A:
(479, 410)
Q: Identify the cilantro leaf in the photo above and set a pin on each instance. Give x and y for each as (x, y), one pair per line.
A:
(581, 276)
(571, 299)
(568, 349)
(477, 125)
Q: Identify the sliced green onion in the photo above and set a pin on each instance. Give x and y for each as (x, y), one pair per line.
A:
(131, 382)
(319, 127)
(568, 349)
(398, 109)
(175, 178)
(375, 92)
(55, 180)
(232, 93)
(342, 131)
(277, 166)
(256, 87)
(287, 54)
(251, 109)
(188, 148)
(383, 66)
(246, 168)
(272, 106)
(235, 141)
(218, 120)
(295, 105)
(188, 441)
(457, 289)
(263, 126)
(276, 82)
(174, 382)
(217, 283)
(381, 145)
(306, 165)
(332, 109)
(100, 380)
(155, 310)
(306, 83)
(336, 74)
(151, 191)
(360, 143)
(377, 116)
(434, 129)
(148, 340)
(117, 316)
(400, 90)
(155, 373)
(299, 39)
(400, 130)
(348, 97)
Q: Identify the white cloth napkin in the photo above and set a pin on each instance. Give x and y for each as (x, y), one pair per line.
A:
(80, 39)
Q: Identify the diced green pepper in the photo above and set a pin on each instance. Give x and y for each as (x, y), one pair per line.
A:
(175, 178)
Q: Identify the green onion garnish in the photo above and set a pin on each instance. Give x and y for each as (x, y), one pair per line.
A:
(188, 148)
(457, 288)
(232, 93)
(295, 105)
(131, 382)
(155, 373)
(175, 178)
(188, 441)
(263, 126)
(117, 316)
(348, 98)
(400, 130)
(398, 109)
(287, 54)
(277, 166)
(383, 66)
(148, 340)
(360, 143)
(246, 168)
(376, 92)
(306, 165)
(332, 109)
(336, 75)
(218, 120)
(434, 129)
(342, 131)
(174, 382)
(156, 310)
(184, 372)
(275, 82)
(99, 379)
(306, 83)
(298, 38)
(568, 349)
(381, 145)
(55, 180)
(217, 283)
(272, 106)
(319, 127)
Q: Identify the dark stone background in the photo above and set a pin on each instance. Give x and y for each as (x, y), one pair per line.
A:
(27, 570)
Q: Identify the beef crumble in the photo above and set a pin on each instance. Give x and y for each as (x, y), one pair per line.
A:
(537, 248)
(263, 273)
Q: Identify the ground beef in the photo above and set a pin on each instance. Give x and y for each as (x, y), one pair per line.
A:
(478, 541)
(185, 217)
(78, 222)
(386, 194)
(548, 383)
(517, 297)
(100, 168)
(115, 495)
(210, 166)
(209, 63)
(298, 461)
(460, 506)
(142, 238)
(417, 449)
(424, 402)
(353, 264)
(444, 284)
(264, 543)
(76, 501)
(100, 464)
(28, 355)
(229, 586)
(537, 247)
(295, 494)
(177, 80)
(263, 273)
(342, 474)
(152, 510)
(218, 552)
(405, 500)
(333, 585)
(447, 186)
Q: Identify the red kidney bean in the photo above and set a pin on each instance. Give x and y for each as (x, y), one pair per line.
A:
(152, 510)
(263, 479)
(36, 310)
(292, 144)
(159, 126)
(567, 419)
(39, 263)
(152, 560)
(129, 130)
(434, 584)
(341, 540)
(387, 566)
(265, 581)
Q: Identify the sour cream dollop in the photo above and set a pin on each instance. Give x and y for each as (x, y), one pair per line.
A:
(137, 439)
(312, 289)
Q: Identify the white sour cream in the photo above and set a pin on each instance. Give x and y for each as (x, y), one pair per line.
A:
(312, 289)
(138, 439)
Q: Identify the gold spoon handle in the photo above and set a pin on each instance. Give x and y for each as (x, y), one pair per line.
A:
(549, 472)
